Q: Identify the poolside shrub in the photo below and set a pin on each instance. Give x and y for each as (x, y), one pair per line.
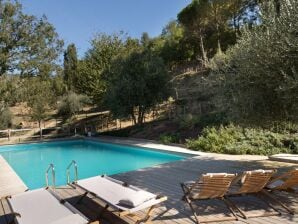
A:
(233, 139)
(5, 117)
(169, 138)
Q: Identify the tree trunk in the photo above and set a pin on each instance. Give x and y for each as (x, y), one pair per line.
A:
(133, 116)
(217, 28)
(277, 7)
(204, 55)
(140, 115)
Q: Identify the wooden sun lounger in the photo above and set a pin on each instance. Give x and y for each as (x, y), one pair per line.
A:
(285, 182)
(111, 191)
(209, 186)
(251, 182)
(43, 206)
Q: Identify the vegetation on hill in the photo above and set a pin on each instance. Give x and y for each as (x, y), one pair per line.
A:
(240, 59)
(238, 140)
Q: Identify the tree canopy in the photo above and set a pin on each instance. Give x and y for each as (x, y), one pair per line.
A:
(246, 51)
(258, 75)
(104, 48)
(29, 46)
(70, 67)
(136, 83)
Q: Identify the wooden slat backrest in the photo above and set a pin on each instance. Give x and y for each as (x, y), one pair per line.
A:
(255, 181)
(211, 186)
(290, 180)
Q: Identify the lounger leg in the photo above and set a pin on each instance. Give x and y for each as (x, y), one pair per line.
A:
(148, 216)
(278, 202)
(188, 201)
(276, 211)
(235, 206)
(193, 209)
(185, 190)
(229, 205)
(263, 215)
(81, 198)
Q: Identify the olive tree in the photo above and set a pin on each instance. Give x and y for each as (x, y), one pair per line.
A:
(72, 103)
(5, 117)
(262, 68)
(136, 83)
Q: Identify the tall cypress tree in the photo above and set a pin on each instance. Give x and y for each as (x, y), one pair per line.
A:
(70, 67)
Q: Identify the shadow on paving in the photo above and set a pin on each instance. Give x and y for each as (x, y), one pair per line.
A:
(165, 179)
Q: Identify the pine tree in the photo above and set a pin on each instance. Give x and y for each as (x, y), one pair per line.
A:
(70, 67)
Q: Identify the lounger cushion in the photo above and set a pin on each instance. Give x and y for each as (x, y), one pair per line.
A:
(71, 219)
(136, 199)
(38, 206)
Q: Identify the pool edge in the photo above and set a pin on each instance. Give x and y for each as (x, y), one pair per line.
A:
(146, 144)
(11, 182)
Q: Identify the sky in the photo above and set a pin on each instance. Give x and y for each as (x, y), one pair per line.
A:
(77, 21)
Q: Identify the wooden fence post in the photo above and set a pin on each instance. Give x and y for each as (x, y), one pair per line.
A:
(8, 132)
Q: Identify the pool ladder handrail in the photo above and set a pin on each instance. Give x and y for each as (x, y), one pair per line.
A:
(75, 166)
(52, 168)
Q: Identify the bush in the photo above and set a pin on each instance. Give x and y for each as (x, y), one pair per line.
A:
(214, 118)
(5, 118)
(169, 138)
(188, 121)
(237, 140)
(71, 104)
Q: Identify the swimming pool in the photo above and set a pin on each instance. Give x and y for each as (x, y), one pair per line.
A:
(30, 161)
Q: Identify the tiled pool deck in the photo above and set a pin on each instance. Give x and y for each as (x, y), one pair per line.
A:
(165, 179)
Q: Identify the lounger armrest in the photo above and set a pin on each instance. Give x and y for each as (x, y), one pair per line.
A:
(15, 214)
(161, 198)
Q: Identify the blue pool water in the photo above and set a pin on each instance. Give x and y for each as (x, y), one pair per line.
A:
(30, 161)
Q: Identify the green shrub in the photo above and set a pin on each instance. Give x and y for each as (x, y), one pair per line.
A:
(191, 121)
(71, 104)
(169, 138)
(188, 121)
(5, 117)
(215, 118)
(237, 140)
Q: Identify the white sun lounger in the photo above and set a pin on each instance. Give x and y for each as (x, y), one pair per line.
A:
(43, 206)
(122, 198)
